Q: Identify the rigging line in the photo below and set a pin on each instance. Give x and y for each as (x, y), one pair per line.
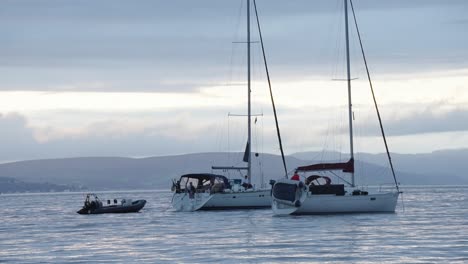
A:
(271, 91)
(338, 45)
(233, 47)
(373, 96)
(339, 177)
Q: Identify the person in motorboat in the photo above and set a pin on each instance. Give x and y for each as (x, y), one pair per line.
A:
(91, 202)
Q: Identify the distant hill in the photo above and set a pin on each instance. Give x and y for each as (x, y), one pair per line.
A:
(109, 173)
(133, 173)
(10, 185)
(439, 167)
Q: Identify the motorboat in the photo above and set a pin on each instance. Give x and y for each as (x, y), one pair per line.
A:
(94, 205)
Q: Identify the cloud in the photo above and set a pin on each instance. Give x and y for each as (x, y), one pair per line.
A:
(172, 57)
(112, 85)
(145, 46)
(430, 121)
(176, 127)
(14, 128)
(16, 138)
(111, 137)
(163, 133)
(461, 22)
(412, 120)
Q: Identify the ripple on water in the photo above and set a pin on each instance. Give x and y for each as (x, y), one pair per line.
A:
(46, 228)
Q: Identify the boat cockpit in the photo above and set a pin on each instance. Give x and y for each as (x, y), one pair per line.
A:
(201, 182)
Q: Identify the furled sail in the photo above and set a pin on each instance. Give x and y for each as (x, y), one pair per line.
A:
(345, 166)
(246, 153)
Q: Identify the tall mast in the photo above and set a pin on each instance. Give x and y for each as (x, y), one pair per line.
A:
(271, 91)
(249, 145)
(350, 105)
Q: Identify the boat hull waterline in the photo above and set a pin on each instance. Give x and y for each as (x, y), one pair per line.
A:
(250, 199)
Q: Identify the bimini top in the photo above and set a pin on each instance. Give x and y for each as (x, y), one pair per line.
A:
(312, 178)
(206, 177)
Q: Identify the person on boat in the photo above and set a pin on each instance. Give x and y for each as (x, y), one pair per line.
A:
(246, 184)
(212, 182)
(191, 191)
(176, 186)
(295, 177)
(211, 185)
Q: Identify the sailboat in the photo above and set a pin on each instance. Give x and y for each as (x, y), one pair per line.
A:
(317, 194)
(208, 191)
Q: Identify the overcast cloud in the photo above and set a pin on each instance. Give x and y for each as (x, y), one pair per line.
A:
(144, 45)
(182, 74)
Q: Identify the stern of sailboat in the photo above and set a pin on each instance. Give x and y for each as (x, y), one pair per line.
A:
(288, 196)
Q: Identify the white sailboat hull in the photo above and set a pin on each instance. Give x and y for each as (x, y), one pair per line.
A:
(308, 203)
(250, 199)
(183, 203)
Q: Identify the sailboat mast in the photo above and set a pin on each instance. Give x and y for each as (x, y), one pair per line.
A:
(249, 136)
(350, 106)
(271, 91)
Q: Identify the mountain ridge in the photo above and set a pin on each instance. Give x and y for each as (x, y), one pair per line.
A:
(107, 173)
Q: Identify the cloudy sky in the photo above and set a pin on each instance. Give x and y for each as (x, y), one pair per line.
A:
(143, 78)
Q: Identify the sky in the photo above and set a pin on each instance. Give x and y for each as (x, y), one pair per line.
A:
(150, 78)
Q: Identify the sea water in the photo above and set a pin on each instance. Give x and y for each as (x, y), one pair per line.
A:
(430, 226)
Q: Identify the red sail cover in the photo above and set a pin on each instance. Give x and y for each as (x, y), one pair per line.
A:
(345, 166)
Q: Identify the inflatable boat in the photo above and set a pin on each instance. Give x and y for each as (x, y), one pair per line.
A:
(93, 205)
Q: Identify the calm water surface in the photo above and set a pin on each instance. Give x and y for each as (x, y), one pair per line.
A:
(43, 228)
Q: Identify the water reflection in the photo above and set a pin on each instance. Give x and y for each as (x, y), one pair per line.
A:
(46, 228)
